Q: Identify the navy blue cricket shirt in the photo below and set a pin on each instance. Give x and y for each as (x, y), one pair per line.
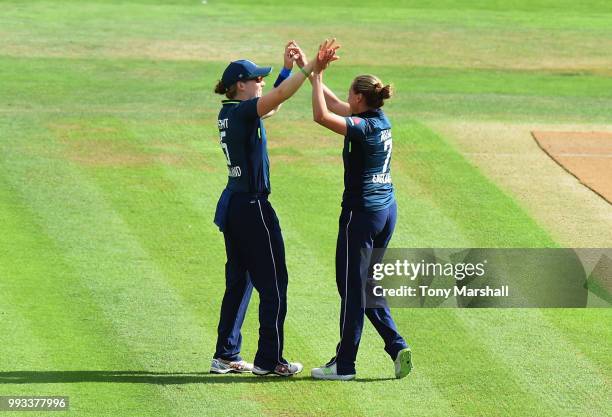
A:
(243, 140)
(367, 162)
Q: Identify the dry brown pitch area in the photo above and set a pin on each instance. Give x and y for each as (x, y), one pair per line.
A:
(585, 155)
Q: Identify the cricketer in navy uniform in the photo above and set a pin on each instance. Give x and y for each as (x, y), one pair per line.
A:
(368, 216)
(253, 240)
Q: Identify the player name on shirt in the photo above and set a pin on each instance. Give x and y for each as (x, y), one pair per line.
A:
(233, 171)
(385, 135)
(382, 178)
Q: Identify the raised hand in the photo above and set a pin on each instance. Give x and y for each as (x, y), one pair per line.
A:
(298, 55)
(288, 56)
(326, 55)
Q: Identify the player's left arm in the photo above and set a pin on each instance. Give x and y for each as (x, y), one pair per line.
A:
(284, 74)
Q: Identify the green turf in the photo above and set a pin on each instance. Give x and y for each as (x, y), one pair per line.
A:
(111, 270)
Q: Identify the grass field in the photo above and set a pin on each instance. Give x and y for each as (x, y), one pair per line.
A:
(111, 270)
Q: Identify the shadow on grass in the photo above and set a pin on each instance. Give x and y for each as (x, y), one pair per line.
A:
(144, 377)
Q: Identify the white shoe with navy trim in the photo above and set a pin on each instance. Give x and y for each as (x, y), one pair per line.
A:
(221, 366)
(288, 369)
(330, 372)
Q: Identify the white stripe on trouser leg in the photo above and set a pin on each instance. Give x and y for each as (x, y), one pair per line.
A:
(345, 287)
(275, 281)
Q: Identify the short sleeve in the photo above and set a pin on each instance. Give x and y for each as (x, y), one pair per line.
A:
(248, 109)
(355, 128)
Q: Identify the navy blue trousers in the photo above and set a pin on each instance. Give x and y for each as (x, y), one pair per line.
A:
(359, 230)
(255, 258)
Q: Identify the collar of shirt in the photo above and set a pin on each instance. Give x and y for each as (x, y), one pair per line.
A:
(370, 113)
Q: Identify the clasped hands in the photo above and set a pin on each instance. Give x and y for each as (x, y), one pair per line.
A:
(324, 57)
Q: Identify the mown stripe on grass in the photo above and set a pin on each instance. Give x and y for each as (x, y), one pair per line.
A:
(541, 359)
(144, 86)
(472, 38)
(463, 369)
(488, 216)
(56, 338)
(146, 313)
(585, 329)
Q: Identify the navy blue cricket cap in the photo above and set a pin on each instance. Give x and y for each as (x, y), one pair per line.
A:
(243, 70)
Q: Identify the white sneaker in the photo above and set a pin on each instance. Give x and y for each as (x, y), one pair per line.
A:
(403, 363)
(281, 369)
(330, 372)
(221, 366)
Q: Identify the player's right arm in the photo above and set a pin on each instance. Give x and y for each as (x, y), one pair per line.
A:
(320, 112)
(274, 98)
